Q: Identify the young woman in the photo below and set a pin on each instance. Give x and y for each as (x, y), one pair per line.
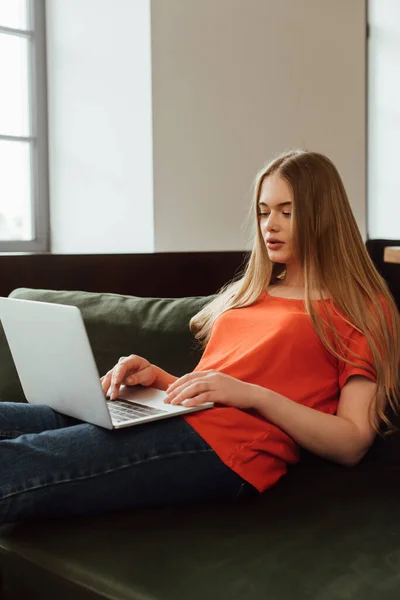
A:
(302, 350)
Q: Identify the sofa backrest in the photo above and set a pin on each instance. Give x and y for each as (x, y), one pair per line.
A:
(157, 275)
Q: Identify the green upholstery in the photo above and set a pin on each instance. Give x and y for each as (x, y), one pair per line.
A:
(324, 532)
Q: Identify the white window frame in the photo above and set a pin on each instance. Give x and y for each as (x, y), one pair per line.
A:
(38, 139)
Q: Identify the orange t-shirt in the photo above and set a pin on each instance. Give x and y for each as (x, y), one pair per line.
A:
(273, 344)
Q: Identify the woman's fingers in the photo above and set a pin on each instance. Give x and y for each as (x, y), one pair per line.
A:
(130, 370)
(117, 379)
(144, 376)
(126, 373)
(197, 392)
(185, 379)
(106, 381)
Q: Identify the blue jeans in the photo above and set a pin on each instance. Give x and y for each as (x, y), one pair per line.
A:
(52, 465)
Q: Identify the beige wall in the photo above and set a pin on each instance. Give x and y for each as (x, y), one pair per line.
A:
(171, 107)
(236, 81)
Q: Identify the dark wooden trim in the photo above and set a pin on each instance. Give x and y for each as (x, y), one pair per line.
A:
(170, 274)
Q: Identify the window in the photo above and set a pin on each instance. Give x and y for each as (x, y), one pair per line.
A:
(383, 120)
(24, 222)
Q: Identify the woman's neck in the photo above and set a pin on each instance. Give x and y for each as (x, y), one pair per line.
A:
(294, 277)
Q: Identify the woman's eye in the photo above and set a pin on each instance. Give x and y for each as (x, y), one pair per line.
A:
(264, 214)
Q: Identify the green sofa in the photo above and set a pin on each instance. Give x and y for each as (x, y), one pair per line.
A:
(324, 532)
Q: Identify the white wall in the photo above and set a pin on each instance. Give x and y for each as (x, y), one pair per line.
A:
(233, 83)
(99, 82)
(384, 120)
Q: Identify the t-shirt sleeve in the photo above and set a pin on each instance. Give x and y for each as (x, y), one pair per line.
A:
(356, 342)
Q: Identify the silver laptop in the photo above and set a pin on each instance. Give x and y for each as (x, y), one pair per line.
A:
(56, 367)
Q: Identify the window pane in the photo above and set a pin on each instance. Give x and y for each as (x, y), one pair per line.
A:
(14, 13)
(15, 191)
(14, 97)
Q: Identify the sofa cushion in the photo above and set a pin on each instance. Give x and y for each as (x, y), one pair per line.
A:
(156, 328)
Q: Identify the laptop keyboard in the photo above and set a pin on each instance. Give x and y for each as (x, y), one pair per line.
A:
(120, 410)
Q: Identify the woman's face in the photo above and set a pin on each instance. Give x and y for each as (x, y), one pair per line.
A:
(275, 213)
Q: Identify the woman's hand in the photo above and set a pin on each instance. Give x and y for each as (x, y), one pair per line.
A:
(130, 370)
(211, 386)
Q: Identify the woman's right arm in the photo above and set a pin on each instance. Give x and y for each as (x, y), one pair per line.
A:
(134, 370)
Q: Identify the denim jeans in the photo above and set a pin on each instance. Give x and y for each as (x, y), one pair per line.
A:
(52, 465)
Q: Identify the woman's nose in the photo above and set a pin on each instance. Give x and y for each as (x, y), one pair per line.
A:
(272, 224)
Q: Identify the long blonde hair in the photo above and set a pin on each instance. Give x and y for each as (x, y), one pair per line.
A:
(328, 245)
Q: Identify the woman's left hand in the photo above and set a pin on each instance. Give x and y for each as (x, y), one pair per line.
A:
(210, 386)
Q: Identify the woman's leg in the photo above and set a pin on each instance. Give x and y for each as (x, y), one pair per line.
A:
(83, 469)
(17, 418)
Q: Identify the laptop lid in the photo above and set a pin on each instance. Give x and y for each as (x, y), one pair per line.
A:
(53, 358)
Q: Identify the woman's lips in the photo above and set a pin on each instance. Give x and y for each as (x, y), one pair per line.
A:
(274, 245)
